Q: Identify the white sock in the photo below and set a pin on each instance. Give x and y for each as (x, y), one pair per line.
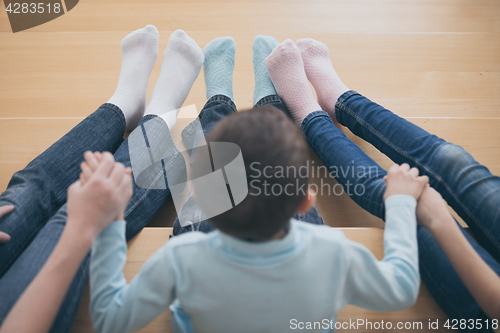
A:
(139, 53)
(181, 64)
(320, 72)
(286, 70)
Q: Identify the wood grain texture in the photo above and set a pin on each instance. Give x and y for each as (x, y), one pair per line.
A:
(150, 239)
(280, 16)
(411, 74)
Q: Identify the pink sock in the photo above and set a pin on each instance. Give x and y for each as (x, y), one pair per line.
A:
(320, 72)
(286, 70)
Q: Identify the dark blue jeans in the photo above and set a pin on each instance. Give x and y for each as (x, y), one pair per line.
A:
(216, 108)
(38, 193)
(468, 187)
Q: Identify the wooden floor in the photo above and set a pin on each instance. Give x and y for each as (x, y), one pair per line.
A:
(436, 63)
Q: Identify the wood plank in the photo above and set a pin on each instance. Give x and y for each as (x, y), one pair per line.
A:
(284, 16)
(150, 239)
(445, 75)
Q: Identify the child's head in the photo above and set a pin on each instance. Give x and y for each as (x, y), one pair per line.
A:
(275, 156)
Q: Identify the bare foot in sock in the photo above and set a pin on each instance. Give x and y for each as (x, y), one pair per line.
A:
(218, 67)
(320, 72)
(286, 70)
(181, 64)
(139, 53)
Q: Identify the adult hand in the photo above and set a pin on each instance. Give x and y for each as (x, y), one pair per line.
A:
(91, 207)
(90, 164)
(431, 209)
(4, 238)
(102, 196)
(402, 180)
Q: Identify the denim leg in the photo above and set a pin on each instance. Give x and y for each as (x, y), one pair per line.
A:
(437, 273)
(216, 108)
(39, 190)
(142, 207)
(145, 202)
(312, 216)
(273, 100)
(468, 187)
(360, 176)
(219, 109)
(27, 266)
(443, 282)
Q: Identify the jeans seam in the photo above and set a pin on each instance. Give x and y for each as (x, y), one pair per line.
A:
(118, 111)
(400, 151)
(158, 119)
(150, 116)
(346, 95)
(222, 98)
(274, 98)
(311, 116)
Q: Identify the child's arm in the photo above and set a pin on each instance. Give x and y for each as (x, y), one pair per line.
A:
(393, 283)
(91, 207)
(482, 282)
(116, 306)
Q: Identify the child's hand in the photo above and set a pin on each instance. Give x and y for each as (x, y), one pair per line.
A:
(90, 164)
(431, 209)
(101, 198)
(402, 180)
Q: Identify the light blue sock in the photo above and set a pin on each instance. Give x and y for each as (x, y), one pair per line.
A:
(262, 48)
(219, 66)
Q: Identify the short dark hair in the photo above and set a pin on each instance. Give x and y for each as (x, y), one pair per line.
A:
(273, 150)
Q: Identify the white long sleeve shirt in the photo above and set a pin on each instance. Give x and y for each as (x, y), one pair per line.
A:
(216, 283)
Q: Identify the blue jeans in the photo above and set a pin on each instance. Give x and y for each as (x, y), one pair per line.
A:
(216, 108)
(468, 187)
(38, 193)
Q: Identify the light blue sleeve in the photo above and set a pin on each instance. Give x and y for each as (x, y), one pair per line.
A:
(116, 306)
(392, 283)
